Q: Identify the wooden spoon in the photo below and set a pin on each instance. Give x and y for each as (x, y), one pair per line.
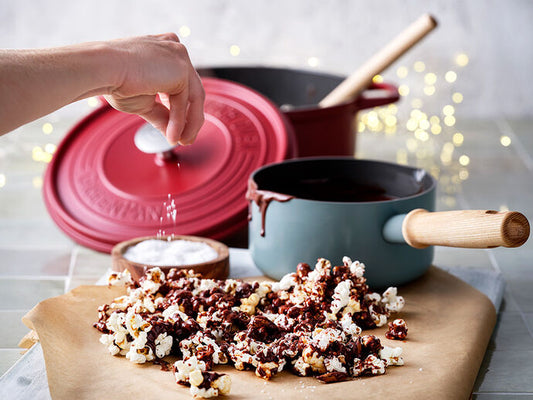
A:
(362, 77)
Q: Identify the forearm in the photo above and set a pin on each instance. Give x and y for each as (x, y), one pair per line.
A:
(34, 83)
(151, 76)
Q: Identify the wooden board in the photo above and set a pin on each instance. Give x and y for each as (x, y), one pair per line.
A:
(449, 322)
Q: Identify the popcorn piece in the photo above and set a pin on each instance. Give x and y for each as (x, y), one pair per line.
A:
(286, 282)
(183, 369)
(379, 319)
(120, 279)
(248, 304)
(205, 347)
(392, 355)
(154, 278)
(397, 330)
(210, 384)
(205, 285)
(139, 352)
(333, 364)
(135, 324)
(392, 301)
(242, 358)
(356, 268)
(116, 324)
(268, 369)
(341, 296)
(311, 357)
(109, 341)
(322, 338)
(301, 367)
(173, 314)
(373, 298)
(163, 345)
(348, 326)
(374, 365)
(322, 268)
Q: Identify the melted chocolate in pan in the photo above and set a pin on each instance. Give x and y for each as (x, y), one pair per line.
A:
(337, 189)
(334, 180)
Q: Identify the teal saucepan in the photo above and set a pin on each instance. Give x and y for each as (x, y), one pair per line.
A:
(379, 213)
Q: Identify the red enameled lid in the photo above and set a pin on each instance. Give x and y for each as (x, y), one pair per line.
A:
(100, 189)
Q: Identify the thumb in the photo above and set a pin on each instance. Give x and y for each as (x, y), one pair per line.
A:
(157, 116)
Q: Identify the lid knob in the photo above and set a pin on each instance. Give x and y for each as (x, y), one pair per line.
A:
(149, 140)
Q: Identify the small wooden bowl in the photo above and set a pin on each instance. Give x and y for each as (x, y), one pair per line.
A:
(214, 269)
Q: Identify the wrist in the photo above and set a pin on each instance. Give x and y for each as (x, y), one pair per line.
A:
(98, 67)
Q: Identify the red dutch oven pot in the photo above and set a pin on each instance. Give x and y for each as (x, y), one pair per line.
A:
(327, 131)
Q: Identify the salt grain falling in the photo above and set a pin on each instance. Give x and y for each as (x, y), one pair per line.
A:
(170, 211)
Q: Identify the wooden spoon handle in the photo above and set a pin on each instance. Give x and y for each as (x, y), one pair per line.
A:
(467, 228)
(361, 78)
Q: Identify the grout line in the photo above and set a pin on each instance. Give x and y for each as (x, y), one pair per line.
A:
(506, 393)
(34, 277)
(88, 277)
(36, 247)
(493, 261)
(519, 147)
(529, 329)
(73, 258)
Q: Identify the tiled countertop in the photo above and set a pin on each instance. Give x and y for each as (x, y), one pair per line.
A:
(38, 261)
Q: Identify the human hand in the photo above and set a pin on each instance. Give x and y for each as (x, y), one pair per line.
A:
(158, 66)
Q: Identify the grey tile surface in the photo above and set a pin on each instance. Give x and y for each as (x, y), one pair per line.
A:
(467, 258)
(511, 333)
(20, 198)
(44, 262)
(508, 303)
(523, 129)
(506, 371)
(521, 288)
(515, 263)
(23, 294)
(90, 263)
(11, 327)
(8, 357)
(32, 233)
(528, 317)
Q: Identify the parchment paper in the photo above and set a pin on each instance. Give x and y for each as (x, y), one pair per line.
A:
(449, 324)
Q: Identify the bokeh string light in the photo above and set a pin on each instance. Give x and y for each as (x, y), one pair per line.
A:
(423, 123)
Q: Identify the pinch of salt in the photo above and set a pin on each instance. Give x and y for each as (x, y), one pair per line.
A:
(170, 253)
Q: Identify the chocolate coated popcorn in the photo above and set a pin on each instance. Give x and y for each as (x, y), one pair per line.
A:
(309, 323)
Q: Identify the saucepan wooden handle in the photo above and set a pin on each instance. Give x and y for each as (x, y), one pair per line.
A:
(465, 228)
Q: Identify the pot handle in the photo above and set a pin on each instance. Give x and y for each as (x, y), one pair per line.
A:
(391, 95)
(480, 229)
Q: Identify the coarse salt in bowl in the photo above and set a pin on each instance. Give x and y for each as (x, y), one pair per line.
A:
(170, 252)
(205, 256)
